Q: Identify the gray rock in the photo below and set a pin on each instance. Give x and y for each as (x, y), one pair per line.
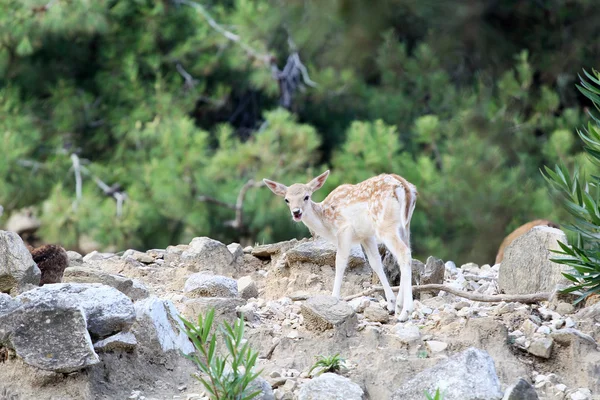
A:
(522, 390)
(526, 267)
(433, 273)
(7, 304)
(541, 347)
(17, 268)
(207, 285)
(206, 254)
(330, 386)
(325, 312)
(158, 326)
(392, 269)
(237, 251)
(468, 375)
(225, 308)
(138, 256)
(266, 392)
(566, 336)
(407, 334)
(247, 288)
(376, 314)
(74, 257)
(269, 250)
(322, 252)
(51, 334)
(132, 288)
(107, 310)
(122, 341)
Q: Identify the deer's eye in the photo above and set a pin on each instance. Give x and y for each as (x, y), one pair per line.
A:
(306, 198)
(287, 201)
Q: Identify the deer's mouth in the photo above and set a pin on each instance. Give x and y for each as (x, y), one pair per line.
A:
(297, 215)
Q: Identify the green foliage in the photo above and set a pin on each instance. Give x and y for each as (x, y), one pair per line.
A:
(229, 377)
(580, 196)
(436, 396)
(327, 363)
(151, 97)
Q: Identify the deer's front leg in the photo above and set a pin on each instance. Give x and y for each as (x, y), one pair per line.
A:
(344, 243)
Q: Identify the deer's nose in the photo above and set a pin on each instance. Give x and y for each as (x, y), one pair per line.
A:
(297, 212)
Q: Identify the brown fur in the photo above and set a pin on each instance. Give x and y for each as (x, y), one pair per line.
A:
(521, 231)
(52, 261)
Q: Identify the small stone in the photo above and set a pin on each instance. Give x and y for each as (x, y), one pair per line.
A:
(581, 394)
(435, 346)
(407, 334)
(541, 347)
(138, 256)
(359, 304)
(376, 314)
(544, 330)
(561, 387)
(565, 308)
(461, 304)
(122, 341)
(506, 308)
(569, 323)
(329, 386)
(325, 312)
(529, 327)
(275, 374)
(247, 288)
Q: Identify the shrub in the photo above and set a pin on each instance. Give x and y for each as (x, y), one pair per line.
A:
(229, 377)
(580, 196)
(327, 364)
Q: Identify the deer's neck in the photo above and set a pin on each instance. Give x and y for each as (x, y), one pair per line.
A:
(315, 220)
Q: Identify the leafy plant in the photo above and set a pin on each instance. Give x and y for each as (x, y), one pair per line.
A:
(328, 364)
(228, 377)
(581, 198)
(436, 396)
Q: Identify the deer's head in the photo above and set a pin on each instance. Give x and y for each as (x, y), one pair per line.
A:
(298, 195)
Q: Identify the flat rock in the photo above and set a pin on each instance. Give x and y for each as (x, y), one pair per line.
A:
(526, 267)
(207, 285)
(106, 309)
(138, 256)
(122, 341)
(269, 250)
(322, 252)
(159, 327)
(468, 375)
(247, 288)
(51, 334)
(17, 268)
(325, 312)
(132, 288)
(329, 386)
(522, 390)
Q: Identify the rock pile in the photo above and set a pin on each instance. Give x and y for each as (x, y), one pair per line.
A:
(113, 325)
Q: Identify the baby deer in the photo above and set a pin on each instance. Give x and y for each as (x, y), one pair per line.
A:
(374, 211)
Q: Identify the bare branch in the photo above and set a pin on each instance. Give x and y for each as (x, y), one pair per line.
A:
(190, 82)
(209, 199)
(239, 204)
(77, 171)
(265, 58)
(517, 298)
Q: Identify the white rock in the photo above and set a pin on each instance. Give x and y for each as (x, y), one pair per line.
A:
(330, 386)
(407, 334)
(204, 284)
(436, 346)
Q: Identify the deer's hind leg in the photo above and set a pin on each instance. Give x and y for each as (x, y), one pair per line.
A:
(370, 246)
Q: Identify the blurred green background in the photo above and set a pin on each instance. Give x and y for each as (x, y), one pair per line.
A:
(172, 107)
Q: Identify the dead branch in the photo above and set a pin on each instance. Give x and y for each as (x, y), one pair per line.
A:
(517, 298)
(77, 171)
(265, 58)
(239, 204)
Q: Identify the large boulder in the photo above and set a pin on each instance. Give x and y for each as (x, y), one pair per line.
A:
(107, 311)
(50, 334)
(325, 312)
(469, 375)
(17, 268)
(526, 267)
(330, 386)
(205, 284)
(158, 326)
(322, 252)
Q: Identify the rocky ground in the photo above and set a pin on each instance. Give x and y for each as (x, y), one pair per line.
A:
(110, 329)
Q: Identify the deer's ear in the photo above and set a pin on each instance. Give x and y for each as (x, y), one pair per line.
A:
(318, 182)
(276, 187)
